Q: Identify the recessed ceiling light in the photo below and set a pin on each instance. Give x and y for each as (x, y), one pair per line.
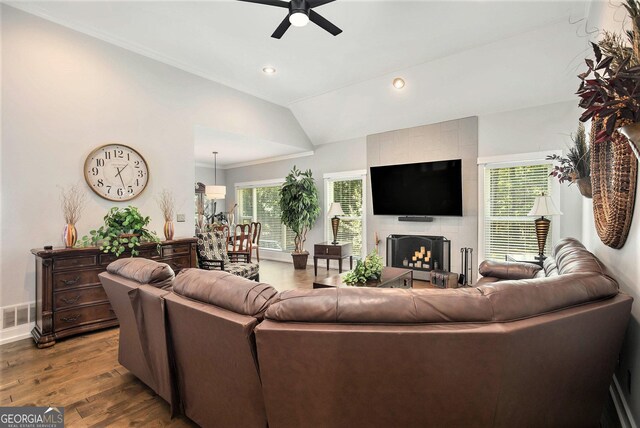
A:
(398, 83)
(269, 70)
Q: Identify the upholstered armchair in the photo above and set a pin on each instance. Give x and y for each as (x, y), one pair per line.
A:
(213, 255)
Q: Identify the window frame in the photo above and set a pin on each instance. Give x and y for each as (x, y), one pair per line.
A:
(507, 161)
(360, 174)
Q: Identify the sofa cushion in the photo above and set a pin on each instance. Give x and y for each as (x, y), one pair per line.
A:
(572, 257)
(225, 290)
(245, 270)
(143, 271)
(513, 300)
(392, 305)
(213, 246)
(508, 270)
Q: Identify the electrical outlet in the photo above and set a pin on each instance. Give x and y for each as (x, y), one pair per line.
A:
(181, 218)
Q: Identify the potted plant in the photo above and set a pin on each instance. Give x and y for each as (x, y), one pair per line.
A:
(610, 88)
(299, 210)
(575, 166)
(368, 270)
(124, 228)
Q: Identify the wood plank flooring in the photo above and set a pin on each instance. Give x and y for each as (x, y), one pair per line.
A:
(82, 373)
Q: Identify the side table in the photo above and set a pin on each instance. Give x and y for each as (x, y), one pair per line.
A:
(329, 251)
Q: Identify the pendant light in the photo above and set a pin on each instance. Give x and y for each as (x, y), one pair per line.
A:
(215, 191)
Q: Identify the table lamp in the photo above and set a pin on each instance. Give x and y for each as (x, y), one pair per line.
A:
(334, 211)
(543, 206)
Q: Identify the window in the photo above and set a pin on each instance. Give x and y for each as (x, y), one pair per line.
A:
(509, 194)
(261, 203)
(347, 189)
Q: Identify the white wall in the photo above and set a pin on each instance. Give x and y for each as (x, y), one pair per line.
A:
(328, 158)
(65, 93)
(537, 129)
(625, 262)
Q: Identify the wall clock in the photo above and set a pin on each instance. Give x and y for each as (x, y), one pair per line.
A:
(116, 172)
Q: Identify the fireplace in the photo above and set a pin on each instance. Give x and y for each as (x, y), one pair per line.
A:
(420, 253)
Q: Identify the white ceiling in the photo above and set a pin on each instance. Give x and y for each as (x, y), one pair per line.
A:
(229, 41)
(460, 58)
(236, 150)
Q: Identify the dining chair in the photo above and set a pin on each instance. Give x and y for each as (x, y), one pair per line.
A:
(242, 240)
(256, 229)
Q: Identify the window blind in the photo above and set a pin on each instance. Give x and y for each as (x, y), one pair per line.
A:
(510, 193)
(348, 192)
(262, 204)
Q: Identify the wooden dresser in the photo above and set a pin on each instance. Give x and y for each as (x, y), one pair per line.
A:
(69, 297)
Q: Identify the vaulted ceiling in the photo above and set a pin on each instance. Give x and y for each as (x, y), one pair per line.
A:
(459, 58)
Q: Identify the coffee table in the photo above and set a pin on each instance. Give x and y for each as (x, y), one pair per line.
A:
(391, 278)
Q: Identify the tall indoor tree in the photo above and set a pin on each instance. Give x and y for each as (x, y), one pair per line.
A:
(300, 210)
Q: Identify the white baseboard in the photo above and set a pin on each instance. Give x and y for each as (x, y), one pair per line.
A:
(16, 333)
(622, 408)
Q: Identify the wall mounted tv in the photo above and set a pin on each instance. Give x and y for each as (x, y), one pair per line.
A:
(426, 189)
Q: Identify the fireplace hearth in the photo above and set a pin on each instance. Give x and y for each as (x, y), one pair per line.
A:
(420, 253)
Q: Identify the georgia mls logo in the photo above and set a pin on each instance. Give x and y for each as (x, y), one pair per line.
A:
(32, 417)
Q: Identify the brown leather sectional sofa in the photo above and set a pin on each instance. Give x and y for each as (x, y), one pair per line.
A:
(525, 347)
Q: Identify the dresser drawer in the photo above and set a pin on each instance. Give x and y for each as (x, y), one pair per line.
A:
(68, 280)
(85, 315)
(74, 262)
(175, 250)
(83, 296)
(327, 250)
(177, 263)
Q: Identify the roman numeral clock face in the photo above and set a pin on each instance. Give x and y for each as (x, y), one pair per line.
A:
(116, 172)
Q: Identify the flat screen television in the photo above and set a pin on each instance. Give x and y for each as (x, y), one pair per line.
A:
(427, 188)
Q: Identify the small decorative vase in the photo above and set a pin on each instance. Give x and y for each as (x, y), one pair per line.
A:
(632, 132)
(584, 186)
(69, 235)
(168, 230)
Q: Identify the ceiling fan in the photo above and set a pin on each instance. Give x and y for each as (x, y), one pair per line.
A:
(300, 13)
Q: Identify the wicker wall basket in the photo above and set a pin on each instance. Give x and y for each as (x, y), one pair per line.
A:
(614, 170)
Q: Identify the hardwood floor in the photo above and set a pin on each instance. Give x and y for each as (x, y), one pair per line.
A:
(82, 373)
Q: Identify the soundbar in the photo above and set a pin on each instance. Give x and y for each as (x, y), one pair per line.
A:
(421, 218)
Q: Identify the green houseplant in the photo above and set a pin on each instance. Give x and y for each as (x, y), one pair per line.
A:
(368, 270)
(575, 166)
(124, 228)
(300, 209)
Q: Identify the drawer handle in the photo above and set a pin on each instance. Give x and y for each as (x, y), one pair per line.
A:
(326, 251)
(71, 301)
(70, 281)
(71, 318)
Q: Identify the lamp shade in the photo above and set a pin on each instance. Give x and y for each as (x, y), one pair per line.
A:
(335, 210)
(544, 206)
(215, 192)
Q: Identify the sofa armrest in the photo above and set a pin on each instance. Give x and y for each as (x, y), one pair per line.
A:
(508, 270)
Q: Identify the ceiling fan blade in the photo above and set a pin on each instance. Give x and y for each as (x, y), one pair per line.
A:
(323, 23)
(282, 28)
(278, 3)
(316, 3)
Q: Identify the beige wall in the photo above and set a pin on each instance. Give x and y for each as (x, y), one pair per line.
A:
(65, 93)
(455, 139)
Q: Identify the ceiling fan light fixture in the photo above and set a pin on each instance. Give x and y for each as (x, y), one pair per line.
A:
(398, 83)
(269, 70)
(299, 19)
